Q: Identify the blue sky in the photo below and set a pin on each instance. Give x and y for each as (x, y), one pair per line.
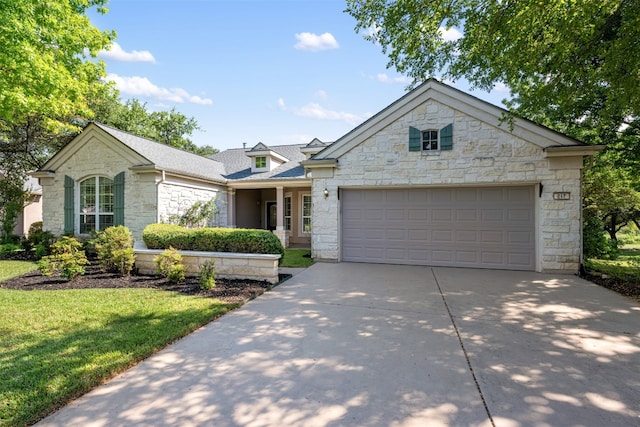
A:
(271, 71)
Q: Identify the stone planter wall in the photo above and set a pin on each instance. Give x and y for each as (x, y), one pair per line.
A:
(229, 265)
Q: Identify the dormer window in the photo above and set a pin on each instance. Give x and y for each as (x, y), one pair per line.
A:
(264, 159)
(261, 162)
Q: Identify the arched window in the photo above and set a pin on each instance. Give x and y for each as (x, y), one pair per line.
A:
(96, 204)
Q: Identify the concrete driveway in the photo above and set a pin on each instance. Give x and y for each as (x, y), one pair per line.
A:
(381, 345)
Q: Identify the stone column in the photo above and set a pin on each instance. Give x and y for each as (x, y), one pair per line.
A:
(231, 208)
(280, 231)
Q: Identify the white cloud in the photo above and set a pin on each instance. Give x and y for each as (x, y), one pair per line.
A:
(384, 78)
(316, 111)
(314, 43)
(281, 104)
(450, 34)
(142, 86)
(116, 53)
(500, 87)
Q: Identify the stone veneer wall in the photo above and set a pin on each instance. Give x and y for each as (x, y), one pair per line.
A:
(482, 155)
(229, 265)
(175, 196)
(96, 158)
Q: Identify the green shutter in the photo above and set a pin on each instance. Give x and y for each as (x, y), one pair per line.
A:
(69, 185)
(118, 199)
(446, 137)
(415, 139)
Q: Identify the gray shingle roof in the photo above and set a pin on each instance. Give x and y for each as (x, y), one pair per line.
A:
(238, 164)
(169, 158)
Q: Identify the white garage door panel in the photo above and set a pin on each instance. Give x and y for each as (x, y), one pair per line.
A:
(469, 227)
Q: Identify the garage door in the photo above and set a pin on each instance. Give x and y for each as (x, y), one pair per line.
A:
(489, 227)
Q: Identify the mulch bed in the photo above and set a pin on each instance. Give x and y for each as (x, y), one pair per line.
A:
(626, 288)
(226, 290)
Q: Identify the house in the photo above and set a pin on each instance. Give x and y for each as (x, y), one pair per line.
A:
(439, 177)
(32, 211)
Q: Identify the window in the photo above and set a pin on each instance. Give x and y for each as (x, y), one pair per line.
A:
(306, 213)
(429, 140)
(96, 204)
(261, 162)
(287, 212)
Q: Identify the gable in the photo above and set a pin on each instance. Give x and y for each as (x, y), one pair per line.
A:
(94, 136)
(426, 99)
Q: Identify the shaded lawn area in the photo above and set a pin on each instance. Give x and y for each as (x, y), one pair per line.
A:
(57, 345)
(622, 274)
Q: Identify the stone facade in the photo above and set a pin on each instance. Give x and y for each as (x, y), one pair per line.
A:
(148, 197)
(175, 196)
(482, 154)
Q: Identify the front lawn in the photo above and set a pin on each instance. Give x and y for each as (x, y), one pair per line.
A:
(10, 269)
(296, 258)
(57, 345)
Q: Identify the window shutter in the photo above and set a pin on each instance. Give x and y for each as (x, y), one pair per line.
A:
(414, 139)
(118, 199)
(69, 185)
(446, 137)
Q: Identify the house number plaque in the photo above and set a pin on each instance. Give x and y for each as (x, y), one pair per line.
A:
(561, 195)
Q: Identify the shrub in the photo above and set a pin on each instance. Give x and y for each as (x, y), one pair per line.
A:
(169, 264)
(114, 249)
(207, 275)
(39, 239)
(67, 258)
(595, 243)
(7, 249)
(160, 236)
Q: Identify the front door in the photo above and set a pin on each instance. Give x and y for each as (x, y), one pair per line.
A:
(272, 215)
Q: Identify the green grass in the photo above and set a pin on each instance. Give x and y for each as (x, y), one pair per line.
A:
(625, 267)
(57, 345)
(9, 269)
(296, 258)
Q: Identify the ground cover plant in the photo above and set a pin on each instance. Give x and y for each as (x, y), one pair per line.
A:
(60, 338)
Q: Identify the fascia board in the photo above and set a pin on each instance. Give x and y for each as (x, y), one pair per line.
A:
(269, 183)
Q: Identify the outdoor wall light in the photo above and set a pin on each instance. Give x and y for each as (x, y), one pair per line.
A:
(326, 193)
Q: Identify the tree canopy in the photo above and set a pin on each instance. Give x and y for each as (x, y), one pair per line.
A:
(46, 61)
(552, 55)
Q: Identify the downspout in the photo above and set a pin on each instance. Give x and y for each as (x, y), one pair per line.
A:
(162, 180)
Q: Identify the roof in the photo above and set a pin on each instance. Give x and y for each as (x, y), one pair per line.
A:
(238, 165)
(169, 158)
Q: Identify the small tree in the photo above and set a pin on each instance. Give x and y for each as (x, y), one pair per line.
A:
(13, 198)
(67, 258)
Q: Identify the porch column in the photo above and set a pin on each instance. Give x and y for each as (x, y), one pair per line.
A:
(280, 208)
(231, 208)
(280, 231)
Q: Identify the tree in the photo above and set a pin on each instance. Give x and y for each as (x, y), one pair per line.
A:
(168, 127)
(45, 66)
(552, 55)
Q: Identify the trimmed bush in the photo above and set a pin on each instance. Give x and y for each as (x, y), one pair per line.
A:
(114, 248)
(161, 236)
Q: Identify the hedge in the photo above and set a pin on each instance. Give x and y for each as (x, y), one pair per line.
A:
(163, 236)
